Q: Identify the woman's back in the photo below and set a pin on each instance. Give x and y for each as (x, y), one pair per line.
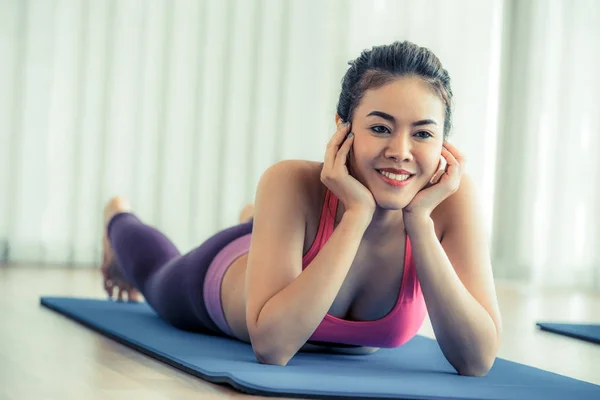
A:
(292, 194)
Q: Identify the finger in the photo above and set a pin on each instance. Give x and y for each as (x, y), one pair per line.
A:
(442, 167)
(120, 296)
(340, 134)
(454, 167)
(437, 176)
(342, 155)
(450, 159)
(334, 144)
(454, 151)
(443, 164)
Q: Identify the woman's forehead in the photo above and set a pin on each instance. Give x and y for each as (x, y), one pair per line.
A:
(404, 98)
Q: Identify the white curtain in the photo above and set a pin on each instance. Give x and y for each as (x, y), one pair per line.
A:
(181, 105)
(547, 207)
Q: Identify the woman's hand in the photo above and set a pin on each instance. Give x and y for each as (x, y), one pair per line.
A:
(353, 194)
(443, 184)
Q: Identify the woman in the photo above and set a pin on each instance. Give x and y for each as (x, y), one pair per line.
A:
(347, 255)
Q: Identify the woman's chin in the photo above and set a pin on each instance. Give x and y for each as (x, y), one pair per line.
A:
(391, 203)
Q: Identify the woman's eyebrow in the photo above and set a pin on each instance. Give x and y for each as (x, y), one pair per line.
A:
(424, 122)
(393, 120)
(382, 115)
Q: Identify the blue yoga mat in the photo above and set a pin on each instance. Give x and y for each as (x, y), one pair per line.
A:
(417, 370)
(588, 332)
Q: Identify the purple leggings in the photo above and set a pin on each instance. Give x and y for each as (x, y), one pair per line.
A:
(170, 282)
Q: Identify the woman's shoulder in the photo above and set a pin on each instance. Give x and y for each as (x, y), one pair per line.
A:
(302, 174)
(297, 167)
(302, 177)
(452, 209)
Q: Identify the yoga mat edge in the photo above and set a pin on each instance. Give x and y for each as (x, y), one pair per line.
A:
(566, 329)
(235, 371)
(246, 387)
(157, 355)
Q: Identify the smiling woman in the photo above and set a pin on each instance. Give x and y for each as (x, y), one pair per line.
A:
(399, 121)
(348, 255)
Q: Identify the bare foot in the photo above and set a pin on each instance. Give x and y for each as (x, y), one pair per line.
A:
(247, 213)
(111, 272)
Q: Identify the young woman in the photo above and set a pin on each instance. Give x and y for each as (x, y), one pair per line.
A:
(347, 255)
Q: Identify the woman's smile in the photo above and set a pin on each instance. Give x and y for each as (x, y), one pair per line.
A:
(394, 177)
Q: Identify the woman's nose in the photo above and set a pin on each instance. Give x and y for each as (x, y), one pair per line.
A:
(399, 148)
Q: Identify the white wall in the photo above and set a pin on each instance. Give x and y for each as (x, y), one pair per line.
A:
(180, 105)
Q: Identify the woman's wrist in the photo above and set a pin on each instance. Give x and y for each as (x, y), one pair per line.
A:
(360, 219)
(414, 223)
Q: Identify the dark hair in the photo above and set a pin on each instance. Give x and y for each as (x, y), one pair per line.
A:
(382, 64)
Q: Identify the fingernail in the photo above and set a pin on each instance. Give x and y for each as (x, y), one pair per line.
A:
(433, 178)
(350, 135)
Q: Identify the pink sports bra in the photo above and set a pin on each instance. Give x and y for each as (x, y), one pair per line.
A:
(394, 329)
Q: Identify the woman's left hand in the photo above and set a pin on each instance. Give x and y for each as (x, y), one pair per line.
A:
(428, 198)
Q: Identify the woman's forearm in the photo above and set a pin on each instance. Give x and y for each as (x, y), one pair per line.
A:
(463, 328)
(290, 317)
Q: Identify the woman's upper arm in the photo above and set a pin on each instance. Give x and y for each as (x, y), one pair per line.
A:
(465, 242)
(276, 250)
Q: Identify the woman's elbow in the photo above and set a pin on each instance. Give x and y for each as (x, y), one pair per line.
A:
(480, 362)
(477, 368)
(268, 352)
(271, 357)
(272, 360)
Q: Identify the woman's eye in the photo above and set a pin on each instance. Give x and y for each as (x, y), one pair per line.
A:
(424, 134)
(380, 129)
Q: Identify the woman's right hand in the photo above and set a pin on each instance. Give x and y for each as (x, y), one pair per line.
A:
(357, 199)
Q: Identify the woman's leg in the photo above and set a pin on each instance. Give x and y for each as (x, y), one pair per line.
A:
(171, 283)
(139, 249)
(112, 273)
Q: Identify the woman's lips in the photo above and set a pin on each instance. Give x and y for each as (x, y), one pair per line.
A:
(394, 180)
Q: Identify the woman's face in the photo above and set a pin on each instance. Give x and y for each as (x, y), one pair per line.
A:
(398, 128)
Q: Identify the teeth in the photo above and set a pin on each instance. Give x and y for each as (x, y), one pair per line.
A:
(394, 176)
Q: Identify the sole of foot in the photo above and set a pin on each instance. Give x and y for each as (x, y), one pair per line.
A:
(247, 213)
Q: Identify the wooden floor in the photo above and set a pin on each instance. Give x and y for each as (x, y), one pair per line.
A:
(46, 356)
